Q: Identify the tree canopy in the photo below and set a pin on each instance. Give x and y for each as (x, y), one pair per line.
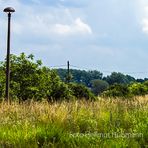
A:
(80, 76)
(30, 80)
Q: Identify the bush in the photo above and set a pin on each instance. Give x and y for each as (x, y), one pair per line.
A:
(30, 80)
(81, 91)
(60, 91)
(134, 89)
(2, 82)
(98, 86)
(117, 90)
(138, 89)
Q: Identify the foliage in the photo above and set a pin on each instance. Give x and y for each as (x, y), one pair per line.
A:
(81, 91)
(138, 89)
(133, 89)
(80, 76)
(30, 80)
(59, 90)
(98, 86)
(2, 81)
(117, 83)
(119, 78)
(117, 90)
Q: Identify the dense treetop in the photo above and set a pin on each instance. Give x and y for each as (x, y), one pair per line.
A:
(29, 79)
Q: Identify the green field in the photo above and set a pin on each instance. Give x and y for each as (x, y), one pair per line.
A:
(106, 123)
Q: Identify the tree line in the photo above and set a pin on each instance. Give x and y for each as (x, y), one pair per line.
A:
(115, 84)
(29, 79)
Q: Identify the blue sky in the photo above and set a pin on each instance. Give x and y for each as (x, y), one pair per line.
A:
(108, 35)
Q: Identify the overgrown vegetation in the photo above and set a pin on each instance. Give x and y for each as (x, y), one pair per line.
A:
(31, 80)
(38, 118)
(127, 91)
(114, 85)
(103, 123)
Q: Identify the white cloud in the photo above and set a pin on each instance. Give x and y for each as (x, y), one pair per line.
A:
(143, 14)
(145, 25)
(77, 27)
(62, 29)
(35, 22)
(82, 27)
(46, 26)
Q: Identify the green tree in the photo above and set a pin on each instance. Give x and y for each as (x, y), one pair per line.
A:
(2, 80)
(30, 80)
(59, 90)
(80, 76)
(138, 89)
(117, 90)
(119, 78)
(98, 86)
(81, 91)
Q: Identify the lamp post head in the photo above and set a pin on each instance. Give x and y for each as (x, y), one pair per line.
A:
(9, 10)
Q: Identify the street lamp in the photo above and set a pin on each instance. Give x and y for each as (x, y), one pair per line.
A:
(8, 10)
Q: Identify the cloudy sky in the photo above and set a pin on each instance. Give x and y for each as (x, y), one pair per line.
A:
(106, 35)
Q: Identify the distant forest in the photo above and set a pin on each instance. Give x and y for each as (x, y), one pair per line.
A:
(87, 77)
(29, 79)
(114, 85)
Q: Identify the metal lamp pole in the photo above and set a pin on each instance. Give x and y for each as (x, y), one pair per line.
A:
(8, 10)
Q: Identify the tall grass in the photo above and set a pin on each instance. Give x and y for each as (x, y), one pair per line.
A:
(103, 123)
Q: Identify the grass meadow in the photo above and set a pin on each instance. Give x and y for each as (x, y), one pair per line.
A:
(106, 123)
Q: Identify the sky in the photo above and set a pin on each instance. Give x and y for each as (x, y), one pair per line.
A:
(108, 35)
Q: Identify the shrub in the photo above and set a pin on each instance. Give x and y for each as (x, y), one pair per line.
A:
(98, 86)
(2, 82)
(138, 89)
(117, 90)
(60, 91)
(81, 91)
(30, 80)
